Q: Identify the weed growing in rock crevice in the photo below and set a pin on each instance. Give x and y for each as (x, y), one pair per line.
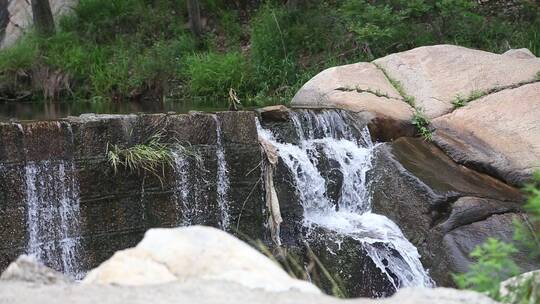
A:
(152, 157)
(421, 122)
(461, 101)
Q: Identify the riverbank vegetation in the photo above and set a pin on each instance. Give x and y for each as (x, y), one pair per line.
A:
(141, 50)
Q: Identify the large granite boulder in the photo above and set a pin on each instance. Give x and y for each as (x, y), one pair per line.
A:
(436, 75)
(360, 88)
(498, 134)
(195, 252)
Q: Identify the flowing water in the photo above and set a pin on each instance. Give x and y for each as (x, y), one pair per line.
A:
(189, 194)
(222, 178)
(330, 135)
(52, 198)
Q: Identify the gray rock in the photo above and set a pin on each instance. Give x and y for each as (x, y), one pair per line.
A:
(526, 283)
(27, 269)
(522, 53)
(211, 292)
(434, 200)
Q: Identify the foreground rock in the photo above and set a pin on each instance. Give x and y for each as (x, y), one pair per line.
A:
(207, 277)
(436, 75)
(211, 292)
(524, 285)
(27, 269)
(498, 134)
(360, 88)
(194, 253)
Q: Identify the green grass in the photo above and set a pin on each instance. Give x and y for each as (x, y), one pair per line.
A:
(460, 101)
(212, 75)
(421, 122)
(151, 157)
(399, 87)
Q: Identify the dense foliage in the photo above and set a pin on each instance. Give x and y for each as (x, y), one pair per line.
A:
(117, 50)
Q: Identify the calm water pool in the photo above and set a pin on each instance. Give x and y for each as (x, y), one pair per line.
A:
(55, 110)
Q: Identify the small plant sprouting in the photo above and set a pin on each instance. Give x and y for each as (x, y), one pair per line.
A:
(398, 86)
(461, 101)
(421, 122)
(376, 92)
(537, 78)
(152, 156)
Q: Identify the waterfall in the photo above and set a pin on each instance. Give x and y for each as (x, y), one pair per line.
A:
(190, 197)
(328, 135)
(53, 216)
(222, 177)
(188, 193)
(181, 187)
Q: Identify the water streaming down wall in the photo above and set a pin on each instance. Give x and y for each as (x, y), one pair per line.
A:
(190, 197)
(61, 201)
(52, 200)
(188, 194)
(328, 135)
(222, 177)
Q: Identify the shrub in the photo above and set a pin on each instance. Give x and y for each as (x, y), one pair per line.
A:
(527, 233)
(21, 56)
(395, 25)
(493, 265)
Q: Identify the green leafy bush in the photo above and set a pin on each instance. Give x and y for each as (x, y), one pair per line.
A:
(395, 25)
(493, 265)
(527, 234)
(129, 49)
(21, 56)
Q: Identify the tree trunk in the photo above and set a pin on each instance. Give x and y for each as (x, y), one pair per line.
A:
(195, 17)
(43, 18)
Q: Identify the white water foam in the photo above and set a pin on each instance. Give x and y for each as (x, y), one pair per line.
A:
(53, 215)
(222, 178)
(52, 196)
(329, 133)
